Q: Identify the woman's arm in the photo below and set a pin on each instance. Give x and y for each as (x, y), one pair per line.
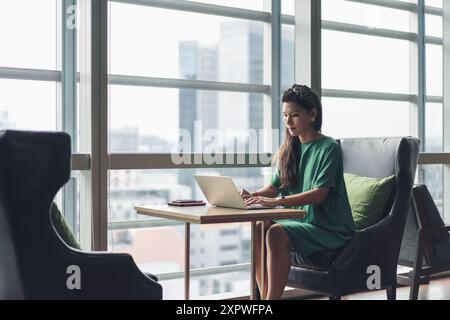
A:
(309, 197)
(268, 191)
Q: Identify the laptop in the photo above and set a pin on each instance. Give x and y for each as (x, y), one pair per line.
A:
(222, 192)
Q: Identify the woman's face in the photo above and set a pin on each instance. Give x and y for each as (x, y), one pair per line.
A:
(297, 119)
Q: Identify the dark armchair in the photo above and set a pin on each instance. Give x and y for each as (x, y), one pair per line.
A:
(426, 242)
(342, 272)
(34, 262)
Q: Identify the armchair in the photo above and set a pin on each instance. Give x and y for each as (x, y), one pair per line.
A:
(34, 262)
(341, 272)
(426, 242)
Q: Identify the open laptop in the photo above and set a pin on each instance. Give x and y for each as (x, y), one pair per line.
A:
(222, 192)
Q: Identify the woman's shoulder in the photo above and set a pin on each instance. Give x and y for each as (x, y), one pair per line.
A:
(329, 141)
(329, 144)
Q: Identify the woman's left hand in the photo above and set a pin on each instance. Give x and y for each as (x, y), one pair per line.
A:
(265, 201)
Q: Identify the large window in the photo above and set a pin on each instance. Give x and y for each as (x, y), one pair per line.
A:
(376, 77)
(206, 76)
(183, 76)
(28, 32)
(433, 175)
(33, 82)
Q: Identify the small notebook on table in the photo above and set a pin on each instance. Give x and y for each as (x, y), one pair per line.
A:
(187, 203)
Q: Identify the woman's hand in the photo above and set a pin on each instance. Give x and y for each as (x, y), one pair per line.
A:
(270, 202)
(245, 194)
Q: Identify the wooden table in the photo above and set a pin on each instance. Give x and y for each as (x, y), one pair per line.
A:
(211, 215)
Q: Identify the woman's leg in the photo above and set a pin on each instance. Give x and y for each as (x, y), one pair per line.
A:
(267, 225)
(278, 260)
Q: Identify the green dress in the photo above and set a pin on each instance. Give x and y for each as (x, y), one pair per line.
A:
(328, 225)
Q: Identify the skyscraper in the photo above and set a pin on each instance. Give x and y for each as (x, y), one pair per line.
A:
(238, 58)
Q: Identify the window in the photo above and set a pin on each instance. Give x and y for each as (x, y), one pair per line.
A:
(29, 34)
(369, 53)
(31, 46)
(212, 73)
(31, 73)
(184, 90)
(348, 59)
(360, 14)
(349, 118)
(433, 175)
(229, 248)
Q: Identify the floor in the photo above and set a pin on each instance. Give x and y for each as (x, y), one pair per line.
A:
(437, 289)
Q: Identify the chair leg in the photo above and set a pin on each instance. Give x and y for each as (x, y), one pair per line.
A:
(335, 297)
(417, 269)
(414, 291)
(391, 292)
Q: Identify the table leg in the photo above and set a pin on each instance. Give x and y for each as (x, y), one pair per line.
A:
(263, 261)
(187, 260)
(253, 264)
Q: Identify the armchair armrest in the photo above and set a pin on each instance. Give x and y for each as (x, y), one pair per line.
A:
(102, 275)
(433, 231)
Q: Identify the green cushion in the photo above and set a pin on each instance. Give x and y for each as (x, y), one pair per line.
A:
(63, 229)
(367, 197)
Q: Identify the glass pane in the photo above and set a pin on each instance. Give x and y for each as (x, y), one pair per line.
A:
(434, 70)
(434, 3)
(207, 248)
(226, 50)
(70, 205)
(358, 62)
(434, 127)
(129, 188)
(28, 34)
(215, 245)
(35, 110)
(433, 25)
(247, 4)
(287, 57)
(288, 7)
(365, 15)
(149, 119)
(348, 118)
(432, 176)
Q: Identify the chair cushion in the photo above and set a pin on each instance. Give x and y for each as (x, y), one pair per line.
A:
(317, 261)
(432, 215)
(367, 197)
(63, 229)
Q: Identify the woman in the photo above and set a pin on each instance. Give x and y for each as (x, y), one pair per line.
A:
(309, 176)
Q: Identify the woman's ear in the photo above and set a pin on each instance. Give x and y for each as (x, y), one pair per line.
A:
(313, 113)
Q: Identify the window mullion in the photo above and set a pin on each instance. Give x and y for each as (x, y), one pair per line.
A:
(446, 115)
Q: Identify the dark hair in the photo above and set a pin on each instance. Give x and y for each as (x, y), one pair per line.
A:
(305, 98)
(289, 156)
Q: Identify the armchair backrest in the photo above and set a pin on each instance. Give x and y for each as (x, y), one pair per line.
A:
(425, 216)
(10, 279)
(383, 157)
(34, 167)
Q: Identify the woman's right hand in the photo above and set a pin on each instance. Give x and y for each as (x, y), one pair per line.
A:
(245, 194)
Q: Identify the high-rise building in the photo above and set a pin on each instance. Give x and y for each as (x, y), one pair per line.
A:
(237, 58)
